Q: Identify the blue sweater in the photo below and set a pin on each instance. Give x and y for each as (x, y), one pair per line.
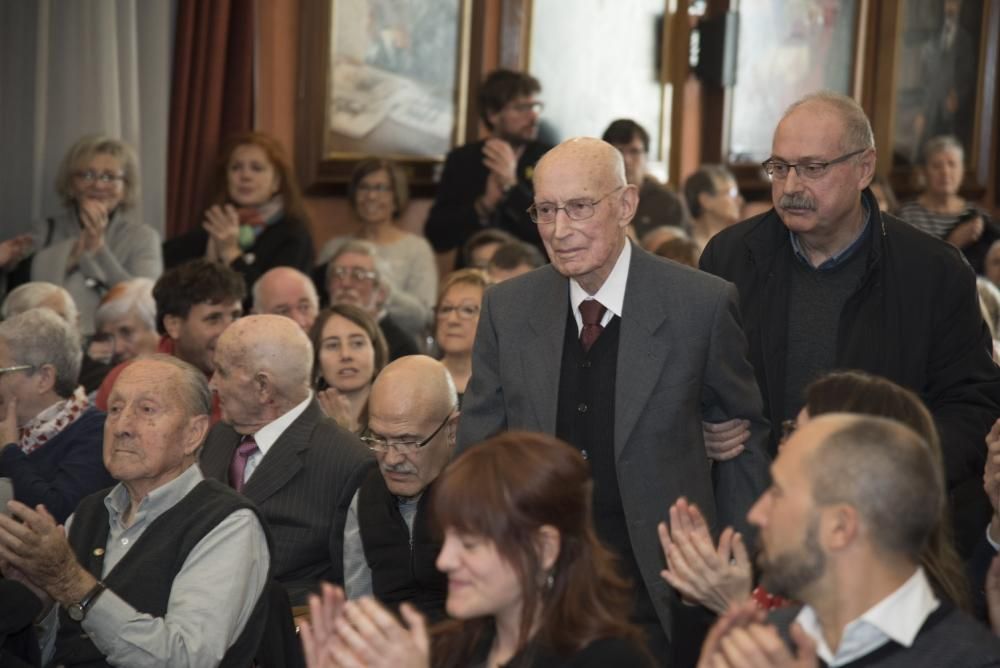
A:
(64, 470)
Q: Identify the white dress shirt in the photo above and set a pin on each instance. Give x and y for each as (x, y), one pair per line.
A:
(611, 294)
(897, 617)
(270, 433)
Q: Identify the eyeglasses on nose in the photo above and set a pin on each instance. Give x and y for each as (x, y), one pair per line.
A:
(89, 176)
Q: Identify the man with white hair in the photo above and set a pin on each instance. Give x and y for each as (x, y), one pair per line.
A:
(356, 275)
(165, 568)
(275, 445)
(622, 355)
(38, 294)
(287, 291)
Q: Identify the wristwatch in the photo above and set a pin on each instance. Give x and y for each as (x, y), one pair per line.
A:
(77, 611)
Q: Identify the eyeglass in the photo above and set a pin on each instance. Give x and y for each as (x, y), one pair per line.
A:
(576, 209)
(16, 367)
(377, 443)
(89, 176)
(357, 273)
(374, 188)
(465, 311)
(778, 169)
(524, 107)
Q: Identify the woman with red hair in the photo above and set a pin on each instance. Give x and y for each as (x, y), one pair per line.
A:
(528, 582)
(256, 220)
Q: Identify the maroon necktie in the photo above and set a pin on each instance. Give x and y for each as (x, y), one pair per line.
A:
(592, 312)
(238, 466)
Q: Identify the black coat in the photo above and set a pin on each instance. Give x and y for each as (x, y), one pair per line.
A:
(914, 319)
(285, 243)
(453, 218)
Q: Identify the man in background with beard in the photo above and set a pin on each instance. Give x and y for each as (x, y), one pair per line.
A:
(487, 183)
(842, 528)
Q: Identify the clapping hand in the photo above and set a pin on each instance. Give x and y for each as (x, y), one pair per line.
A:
(14, 250)
(715, 577)
(93, 217)
(223, 226)
(742, 639)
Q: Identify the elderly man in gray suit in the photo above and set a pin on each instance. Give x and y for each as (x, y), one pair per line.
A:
(622, 355)
(276, 447)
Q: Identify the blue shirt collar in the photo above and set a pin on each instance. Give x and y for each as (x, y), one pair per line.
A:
(839, 258)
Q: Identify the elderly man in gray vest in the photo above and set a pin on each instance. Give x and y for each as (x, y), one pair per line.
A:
(166, 569)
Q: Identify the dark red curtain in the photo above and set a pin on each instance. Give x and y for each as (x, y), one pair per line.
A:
(211, 97)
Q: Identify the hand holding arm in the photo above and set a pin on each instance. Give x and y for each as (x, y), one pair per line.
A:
(714, 577)
(725, 440)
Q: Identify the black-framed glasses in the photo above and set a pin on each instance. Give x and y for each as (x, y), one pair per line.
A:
(778, 169)
(16, 367)
(377, 443)
(523, 107)
(90, 176)
(357, 273)
(464, 311)
(576, 209)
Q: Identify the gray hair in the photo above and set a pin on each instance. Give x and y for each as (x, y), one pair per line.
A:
(886, 472)
(31, 295)
(39, 337)
(941, 143)
(857, 128)
(132, 296)
(194, 386)
(310, 286)
(85, 149)
(362, 247)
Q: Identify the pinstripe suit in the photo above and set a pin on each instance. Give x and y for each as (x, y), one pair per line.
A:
(303, 487)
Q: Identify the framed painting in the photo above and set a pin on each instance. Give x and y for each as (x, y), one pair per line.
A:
(941, 69)
(384, 78)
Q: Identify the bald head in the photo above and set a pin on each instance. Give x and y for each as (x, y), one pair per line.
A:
(585, 239)
(880, 467)
(856, 129)
(288, 292)
(599, 162)
(414, 385)
(272, 345)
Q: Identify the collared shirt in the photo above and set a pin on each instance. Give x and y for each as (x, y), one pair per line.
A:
(898, 617)
(611, 294)
(211, 598)
(837, 258)
(357, 574)
(267, 435)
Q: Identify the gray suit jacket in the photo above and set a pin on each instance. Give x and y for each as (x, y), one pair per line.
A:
(682, 358)
(303, 487)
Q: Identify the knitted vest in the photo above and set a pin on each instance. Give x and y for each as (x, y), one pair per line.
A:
(144, 576)
(402, 565)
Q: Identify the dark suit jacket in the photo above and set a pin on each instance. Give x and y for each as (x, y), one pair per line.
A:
(682, 358)
(303, 487)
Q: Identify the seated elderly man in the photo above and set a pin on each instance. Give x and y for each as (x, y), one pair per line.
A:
(389, 546)
(288, 292)
(166, 569)
(127, 317)
(38, 294)
(841, 529)
(276, 446)
(356, 275)
(50, 435)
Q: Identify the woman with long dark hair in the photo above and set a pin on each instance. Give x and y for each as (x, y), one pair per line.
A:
(528, 582)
